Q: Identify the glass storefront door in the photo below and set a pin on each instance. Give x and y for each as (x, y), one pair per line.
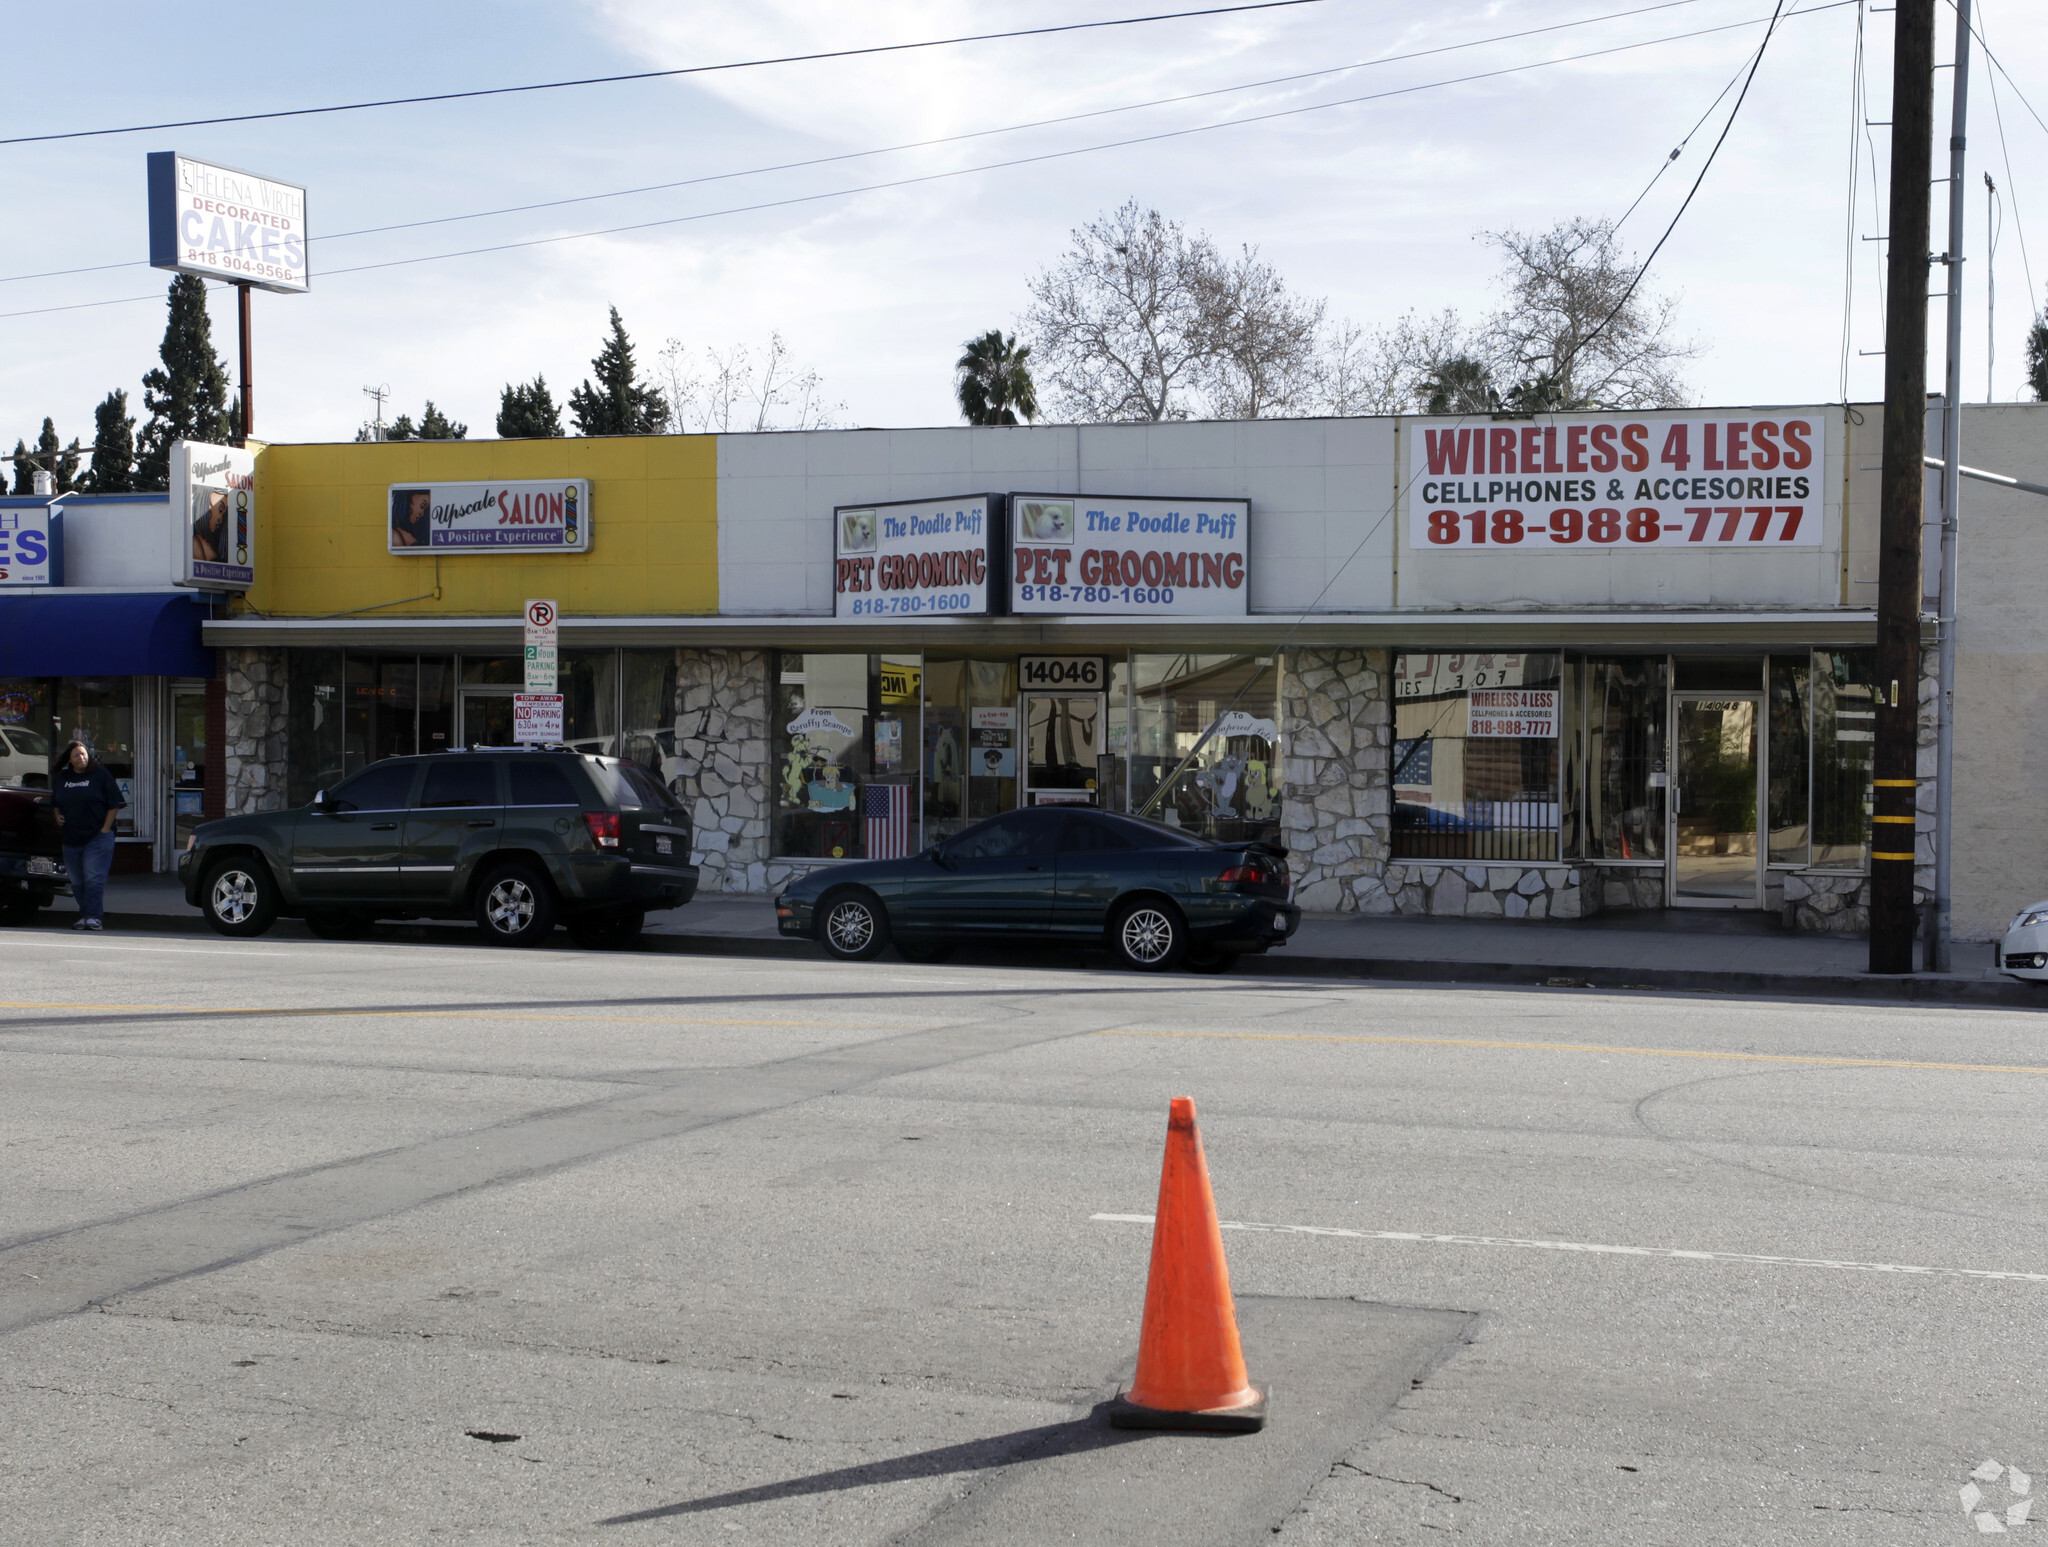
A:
(1715, 858)
(1062, 741)
(187, 800)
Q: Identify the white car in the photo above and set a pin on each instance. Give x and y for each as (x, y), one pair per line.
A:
(24, 757)
(2023, 953)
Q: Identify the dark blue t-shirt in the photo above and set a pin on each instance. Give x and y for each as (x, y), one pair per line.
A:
(84, 799)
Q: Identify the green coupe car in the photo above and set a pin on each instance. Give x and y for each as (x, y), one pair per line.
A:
(1155, 895)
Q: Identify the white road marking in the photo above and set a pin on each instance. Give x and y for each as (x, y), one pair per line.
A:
(1598, 1249)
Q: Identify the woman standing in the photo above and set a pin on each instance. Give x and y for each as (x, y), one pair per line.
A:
(86, 798)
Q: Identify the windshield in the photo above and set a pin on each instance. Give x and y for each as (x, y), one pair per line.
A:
(27, 743)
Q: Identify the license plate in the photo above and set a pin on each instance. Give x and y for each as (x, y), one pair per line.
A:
(42, 867)
(663, 846)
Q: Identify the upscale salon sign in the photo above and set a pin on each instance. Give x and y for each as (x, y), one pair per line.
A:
(546, 515)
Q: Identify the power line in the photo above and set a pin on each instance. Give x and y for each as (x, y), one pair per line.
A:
(1733, 114)
(2012, 191)
(930, 177)
(1850, 244)
(948, 139)
(655, 75)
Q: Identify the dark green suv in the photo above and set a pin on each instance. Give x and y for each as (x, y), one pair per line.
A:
(511, 837)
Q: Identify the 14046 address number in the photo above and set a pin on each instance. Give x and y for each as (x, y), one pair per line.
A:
(1712, 526)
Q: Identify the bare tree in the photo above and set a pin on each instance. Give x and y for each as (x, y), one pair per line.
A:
(1387, 371)
(1549, 341)
(729, 397)
(1265, 343)
(1122, 322)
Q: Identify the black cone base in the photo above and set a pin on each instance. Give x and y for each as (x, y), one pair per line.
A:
(1249, 1419)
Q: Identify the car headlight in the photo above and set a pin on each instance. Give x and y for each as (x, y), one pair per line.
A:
(2028, 920)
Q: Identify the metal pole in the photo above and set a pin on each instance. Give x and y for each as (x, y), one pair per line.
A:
(1938, 913)
(1902, 495)
(1990, 294)
(248, 342)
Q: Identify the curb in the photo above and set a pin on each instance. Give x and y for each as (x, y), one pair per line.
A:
(1910, 989)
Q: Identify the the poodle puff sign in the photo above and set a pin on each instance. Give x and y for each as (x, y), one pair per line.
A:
(918, 559)
(1111, 556)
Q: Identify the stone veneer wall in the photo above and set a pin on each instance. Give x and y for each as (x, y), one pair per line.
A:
(1338, 737)
(257, 743)
(721, 723)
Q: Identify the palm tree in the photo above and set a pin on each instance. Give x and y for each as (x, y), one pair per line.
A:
(1459, 385)
(993, 382)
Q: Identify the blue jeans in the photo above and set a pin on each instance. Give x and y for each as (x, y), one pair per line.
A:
(87, 865)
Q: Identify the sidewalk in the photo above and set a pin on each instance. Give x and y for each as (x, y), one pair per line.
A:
(1734, 953)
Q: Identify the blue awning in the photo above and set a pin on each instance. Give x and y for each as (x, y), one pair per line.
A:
(60, 634)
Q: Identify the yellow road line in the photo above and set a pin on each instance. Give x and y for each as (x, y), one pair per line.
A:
(482, 1014)
(1591, 1047)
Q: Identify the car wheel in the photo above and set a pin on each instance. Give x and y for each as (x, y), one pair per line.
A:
(853, 926)
(340, 924)
(239, 898)
(1210, 958)
(1149, 936)
(515, 906)
(924, 951)
(609, 930)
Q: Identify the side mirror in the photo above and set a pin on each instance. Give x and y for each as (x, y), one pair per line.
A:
(319, 800)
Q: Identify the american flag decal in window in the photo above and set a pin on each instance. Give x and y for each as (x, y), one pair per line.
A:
(887, 810)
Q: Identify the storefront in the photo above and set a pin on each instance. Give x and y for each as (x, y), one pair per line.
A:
(1514, 668)
(97, 644)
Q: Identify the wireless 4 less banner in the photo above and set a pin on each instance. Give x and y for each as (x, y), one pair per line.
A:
(1128, 557)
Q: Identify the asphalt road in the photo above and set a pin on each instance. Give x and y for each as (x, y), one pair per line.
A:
(316, 1242)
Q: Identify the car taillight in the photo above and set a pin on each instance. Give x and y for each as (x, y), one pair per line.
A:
(604, 827)
(1250, 873)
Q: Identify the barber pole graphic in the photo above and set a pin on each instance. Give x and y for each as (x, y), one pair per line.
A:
(887, 809)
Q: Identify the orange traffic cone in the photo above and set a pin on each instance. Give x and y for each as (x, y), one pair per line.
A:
(1191, 1371)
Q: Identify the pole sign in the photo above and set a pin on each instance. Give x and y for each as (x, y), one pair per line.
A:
(220, 223)
(543, 630)
(213, 516)
(1603, 484)
(919, 559)
(540, 515)
(31, 543)
(536, 718)
(1116, 557)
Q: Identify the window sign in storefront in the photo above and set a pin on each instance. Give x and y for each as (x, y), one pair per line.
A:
(1476, 772)
(1749, 483)
(919, 559)
(31, 544)
(1116, 557)
(213, 516)
(540, 515)
(1085, 672)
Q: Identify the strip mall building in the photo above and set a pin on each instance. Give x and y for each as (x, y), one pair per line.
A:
(1533, 669)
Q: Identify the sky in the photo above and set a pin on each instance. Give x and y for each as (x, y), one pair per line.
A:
(1378, 206)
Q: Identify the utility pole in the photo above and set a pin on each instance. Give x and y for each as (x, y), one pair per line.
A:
(377, 395)
(248, 345)
(1937, 933)
(1894, 770)
(1990, 293)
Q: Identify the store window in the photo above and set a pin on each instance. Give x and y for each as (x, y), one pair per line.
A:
(1475, 758)
(971, 742)
(1844, 737)
(100, 711)
(1623, 785)
(848, 756)
(313, 728)
(26, 726)
(1790, 711)
(1204, 741)
(648, 688)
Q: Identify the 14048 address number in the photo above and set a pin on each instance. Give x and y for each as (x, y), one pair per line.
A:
(1712, 526)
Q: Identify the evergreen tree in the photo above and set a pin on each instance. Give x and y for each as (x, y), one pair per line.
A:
(528, 412)
(24, 465)
(435, 425)
(48, 455)
(187, 398)
(992, 380)
(2037, 357)
(618, 404)
(113, 447)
